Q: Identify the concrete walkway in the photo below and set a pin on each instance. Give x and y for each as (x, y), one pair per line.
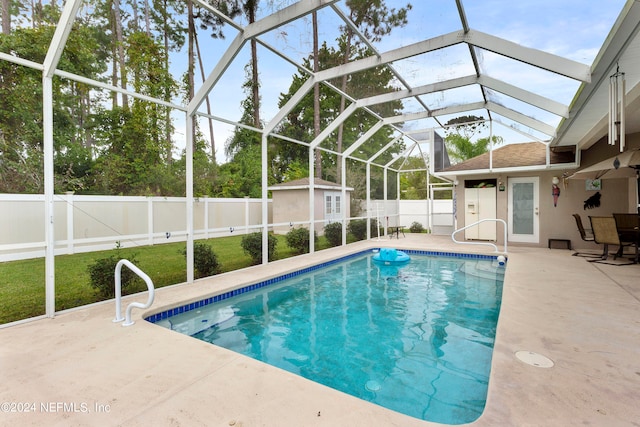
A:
(82, 369)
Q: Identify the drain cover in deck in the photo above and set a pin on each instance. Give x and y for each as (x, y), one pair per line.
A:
(534, 359)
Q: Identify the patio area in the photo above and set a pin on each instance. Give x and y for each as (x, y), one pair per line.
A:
(80, 368)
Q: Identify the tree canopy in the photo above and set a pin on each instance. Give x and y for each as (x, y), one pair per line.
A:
(459, 134)
(109, 142)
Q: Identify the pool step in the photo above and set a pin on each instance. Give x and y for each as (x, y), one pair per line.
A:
(484, 270)
(197, 320)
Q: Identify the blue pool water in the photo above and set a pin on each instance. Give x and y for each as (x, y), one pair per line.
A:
(416, 339)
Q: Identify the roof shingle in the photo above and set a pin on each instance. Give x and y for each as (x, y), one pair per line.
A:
(514, 155)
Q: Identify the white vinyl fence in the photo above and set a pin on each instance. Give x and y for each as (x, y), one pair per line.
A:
(442, 221)
(91, 223)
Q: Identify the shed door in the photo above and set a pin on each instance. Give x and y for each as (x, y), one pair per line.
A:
(332, 206)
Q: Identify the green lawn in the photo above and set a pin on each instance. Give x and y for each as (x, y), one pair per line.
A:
(22, 283)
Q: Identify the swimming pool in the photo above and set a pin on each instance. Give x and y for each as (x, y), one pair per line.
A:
(416, 339)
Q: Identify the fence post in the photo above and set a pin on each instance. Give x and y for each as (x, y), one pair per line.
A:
(246, 214)
(206, 216)
(150, 220)
(69, 200)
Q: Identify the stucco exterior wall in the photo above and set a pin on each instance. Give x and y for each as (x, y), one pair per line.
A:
(557, 222)
(292, 205)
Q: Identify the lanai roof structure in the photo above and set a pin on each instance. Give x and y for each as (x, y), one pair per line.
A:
(449, 60)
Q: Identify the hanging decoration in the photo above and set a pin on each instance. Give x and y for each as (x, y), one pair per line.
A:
(555, 190)
(616, 109)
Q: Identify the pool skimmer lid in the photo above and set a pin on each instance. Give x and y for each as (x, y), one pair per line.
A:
(534, 359)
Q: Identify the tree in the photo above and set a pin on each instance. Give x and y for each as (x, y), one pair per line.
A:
(213, 23)
(458, 141)
(21, 151)
(414, 184)
(242, 175)
(375, 20)
(299, 123)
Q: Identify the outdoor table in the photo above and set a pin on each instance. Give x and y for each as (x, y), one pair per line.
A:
(630, 235)
(396, 229)
(628, 227)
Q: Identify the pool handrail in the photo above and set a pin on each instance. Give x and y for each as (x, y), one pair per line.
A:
(453, 235)
(118, 279)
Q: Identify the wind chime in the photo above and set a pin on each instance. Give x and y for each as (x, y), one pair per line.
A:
(616, 110)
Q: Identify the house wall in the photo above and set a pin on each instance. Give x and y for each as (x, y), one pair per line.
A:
(555, 222)
(602, 150)
(618, 195)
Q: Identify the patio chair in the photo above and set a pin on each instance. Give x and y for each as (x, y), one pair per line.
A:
(628, 225)
(605, 233)
(586, 235)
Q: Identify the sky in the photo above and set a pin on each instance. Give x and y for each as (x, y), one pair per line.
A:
(569, 28)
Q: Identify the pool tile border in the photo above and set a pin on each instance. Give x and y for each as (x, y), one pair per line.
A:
(221, 297)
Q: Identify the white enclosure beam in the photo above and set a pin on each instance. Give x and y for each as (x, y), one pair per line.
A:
(312, 204)
(538, 58)
(425, 46)
(525, 96)
(189, 196)
(49, 229)
(281, 17)
(284, 16)
(521, 118)
(420, 90)
(20, 61)
(290, 105)
(343, 185)
(521, 132)
(50, 63)
(489, 82)
(405, 153)
(454, 109)
(221, 66)
(364, 138)
(383, 149)
(60, 36)
(334, 125)
(265, 198)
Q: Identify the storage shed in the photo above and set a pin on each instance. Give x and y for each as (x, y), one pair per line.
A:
(291, 204)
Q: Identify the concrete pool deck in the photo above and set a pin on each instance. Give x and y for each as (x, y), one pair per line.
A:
(80, 368)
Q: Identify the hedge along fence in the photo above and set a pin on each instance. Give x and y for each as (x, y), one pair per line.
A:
(92, 223)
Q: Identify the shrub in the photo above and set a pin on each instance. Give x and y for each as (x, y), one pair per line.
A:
(416, 227)
(102, 275)
(205, 261)
(252, 246)
(333, 233)
(298, 240)
(358, 228)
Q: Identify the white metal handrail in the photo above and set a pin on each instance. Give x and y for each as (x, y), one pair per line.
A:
(453, 235)
(118, 278)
